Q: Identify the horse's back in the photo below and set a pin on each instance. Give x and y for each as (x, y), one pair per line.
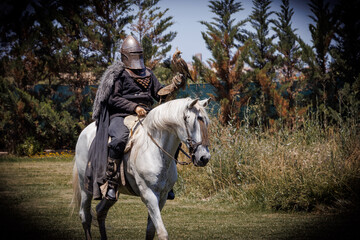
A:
(82, 147)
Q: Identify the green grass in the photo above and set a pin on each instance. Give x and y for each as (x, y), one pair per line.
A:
(35, 196)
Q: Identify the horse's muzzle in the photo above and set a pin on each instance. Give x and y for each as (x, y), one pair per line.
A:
(202, 157)
(203, 161)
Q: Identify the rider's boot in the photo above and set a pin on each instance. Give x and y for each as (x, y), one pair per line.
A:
(112, 177)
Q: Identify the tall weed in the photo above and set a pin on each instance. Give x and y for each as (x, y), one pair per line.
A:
(309, 168)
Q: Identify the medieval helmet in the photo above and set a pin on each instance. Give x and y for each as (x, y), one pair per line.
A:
(132, 53)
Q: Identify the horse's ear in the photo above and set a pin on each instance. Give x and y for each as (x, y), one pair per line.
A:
(204, 102)
(192, 103)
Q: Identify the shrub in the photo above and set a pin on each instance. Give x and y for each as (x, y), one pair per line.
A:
(27, 125)
(29, 147)
(308, 168)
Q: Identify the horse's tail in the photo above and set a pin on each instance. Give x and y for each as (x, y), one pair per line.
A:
(76, 198)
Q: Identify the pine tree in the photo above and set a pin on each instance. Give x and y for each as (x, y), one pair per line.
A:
(288, 63)
(150, 28)
(322, 33)
(262, 58)
(262, 49)
(287, 45)
(106, 27)
(346, 51)
(224, 40)
(24, 46)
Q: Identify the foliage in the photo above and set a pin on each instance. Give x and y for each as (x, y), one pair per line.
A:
(150, 26)
(61, 42)
(106, 21)
(28, 125)
(262, 49)
(262, 60)
(322, 34)
(163, 72)
(345, 51)
(222, 38)
(287, 66)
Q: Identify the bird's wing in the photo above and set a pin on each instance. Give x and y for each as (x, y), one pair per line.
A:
(174, 66)
(185, 68)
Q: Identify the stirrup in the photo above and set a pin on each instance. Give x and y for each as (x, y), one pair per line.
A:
(111, 194)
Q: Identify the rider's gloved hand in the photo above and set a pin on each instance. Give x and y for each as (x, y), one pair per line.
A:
(141, 112)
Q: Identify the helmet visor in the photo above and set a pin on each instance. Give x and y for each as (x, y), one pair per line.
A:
(136, 60)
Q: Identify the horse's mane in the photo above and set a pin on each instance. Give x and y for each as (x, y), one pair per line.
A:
(167, 115)
(170, 114)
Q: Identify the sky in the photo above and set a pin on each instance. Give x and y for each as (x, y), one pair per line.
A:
(187, 14)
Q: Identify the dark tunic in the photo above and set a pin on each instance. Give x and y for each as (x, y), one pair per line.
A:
(128, 93)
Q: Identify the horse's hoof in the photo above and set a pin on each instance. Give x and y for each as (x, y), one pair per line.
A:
(171, 195)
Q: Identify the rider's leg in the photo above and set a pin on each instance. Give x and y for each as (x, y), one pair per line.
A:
(119, 135)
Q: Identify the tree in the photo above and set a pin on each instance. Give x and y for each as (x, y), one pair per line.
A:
(262, 59)
(322, 33)
(106, 27)
(24, 46)
(287, 45)
(150, 27)
(224, 40)
(262, 51)
(346, 50)
(288, 63)
(65, 38)
(62, 42)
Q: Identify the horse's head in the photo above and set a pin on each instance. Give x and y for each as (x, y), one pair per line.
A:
(195, 136)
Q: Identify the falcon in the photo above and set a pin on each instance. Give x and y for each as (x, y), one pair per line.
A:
(179, 65)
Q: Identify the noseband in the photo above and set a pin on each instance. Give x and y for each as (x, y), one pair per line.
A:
(204, 137)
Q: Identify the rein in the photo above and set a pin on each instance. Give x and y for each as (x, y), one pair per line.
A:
(168, 154)
(191, 143)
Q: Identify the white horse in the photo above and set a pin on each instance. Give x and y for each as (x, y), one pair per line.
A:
(149, 168)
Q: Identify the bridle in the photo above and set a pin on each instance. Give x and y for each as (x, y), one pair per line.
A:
(192, 145)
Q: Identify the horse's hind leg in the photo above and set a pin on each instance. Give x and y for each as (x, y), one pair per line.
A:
(85, 213)
(101, 210)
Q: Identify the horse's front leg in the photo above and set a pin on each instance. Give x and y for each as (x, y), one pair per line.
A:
(155, 222)
(150, 230)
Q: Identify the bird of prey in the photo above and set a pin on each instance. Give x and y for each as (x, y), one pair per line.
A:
(179, 65)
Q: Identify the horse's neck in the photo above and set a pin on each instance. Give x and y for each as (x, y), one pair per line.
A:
(161, 130)
(167, 140)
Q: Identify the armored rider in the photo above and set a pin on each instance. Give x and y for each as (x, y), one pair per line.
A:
(127, 87)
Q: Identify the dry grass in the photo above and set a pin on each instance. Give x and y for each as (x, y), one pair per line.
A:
(307, 169)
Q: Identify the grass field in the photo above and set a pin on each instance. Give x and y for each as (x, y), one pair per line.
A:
(35, 195)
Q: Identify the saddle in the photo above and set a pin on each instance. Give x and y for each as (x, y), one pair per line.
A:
(132, 123)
